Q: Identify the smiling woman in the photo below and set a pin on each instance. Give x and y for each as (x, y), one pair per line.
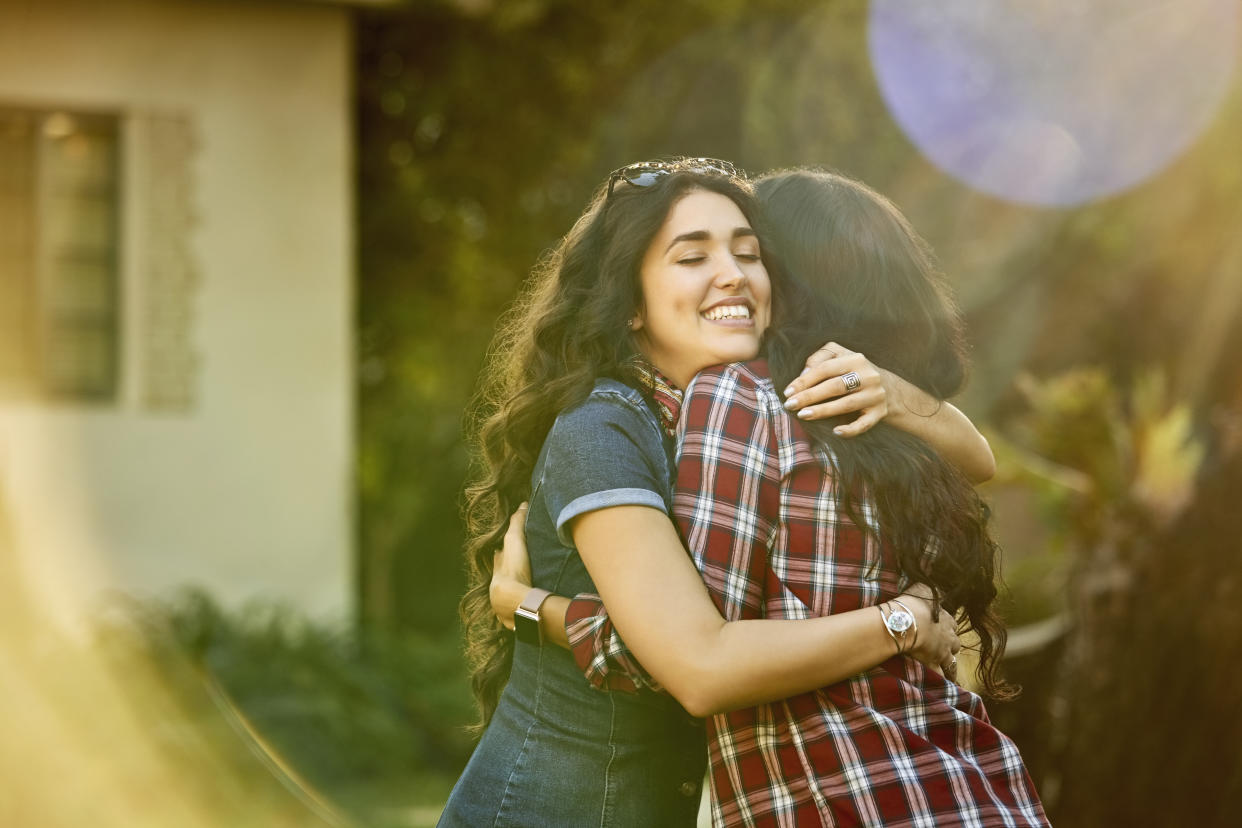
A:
(706, 292)
(661, 277)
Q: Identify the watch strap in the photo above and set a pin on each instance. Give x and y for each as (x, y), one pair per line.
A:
(526, 616)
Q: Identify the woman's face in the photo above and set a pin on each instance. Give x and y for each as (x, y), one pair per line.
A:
(706, 294)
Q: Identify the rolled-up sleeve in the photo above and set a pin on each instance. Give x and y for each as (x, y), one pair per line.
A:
(603, 453)
(598, 650)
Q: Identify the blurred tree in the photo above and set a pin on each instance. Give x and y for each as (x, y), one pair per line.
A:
(1150, 689)
(1135, 692)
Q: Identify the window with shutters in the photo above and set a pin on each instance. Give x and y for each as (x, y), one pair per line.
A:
(59, 239)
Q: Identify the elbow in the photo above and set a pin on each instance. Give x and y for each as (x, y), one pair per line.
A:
(985, 471)
(982, 463)
(700, 691)
(700, 702)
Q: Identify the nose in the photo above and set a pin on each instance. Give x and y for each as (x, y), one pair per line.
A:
(730, 275)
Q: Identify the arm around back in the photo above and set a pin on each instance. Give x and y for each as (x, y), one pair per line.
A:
(729, 478)
(662, 609)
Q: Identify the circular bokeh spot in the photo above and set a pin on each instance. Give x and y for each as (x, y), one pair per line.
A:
(1053, 102)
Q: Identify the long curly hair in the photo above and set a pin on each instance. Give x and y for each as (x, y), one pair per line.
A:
(858, 270)
(567, 328)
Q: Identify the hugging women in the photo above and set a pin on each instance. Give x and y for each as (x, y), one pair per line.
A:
(708, 537)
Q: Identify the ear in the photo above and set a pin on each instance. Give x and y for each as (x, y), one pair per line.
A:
(635, 322)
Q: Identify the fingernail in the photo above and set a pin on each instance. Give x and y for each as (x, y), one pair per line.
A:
(840, 432)
(791, 403)
(804, 413)
(789, 390)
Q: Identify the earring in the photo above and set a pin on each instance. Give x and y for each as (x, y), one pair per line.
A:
(629, 323)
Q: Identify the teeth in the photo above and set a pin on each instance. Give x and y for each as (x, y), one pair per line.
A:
(728, 312)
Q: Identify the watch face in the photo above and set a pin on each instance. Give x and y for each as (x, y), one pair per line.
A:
(899, 621)
(526, 626)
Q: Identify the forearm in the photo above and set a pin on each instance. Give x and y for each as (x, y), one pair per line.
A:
(661, 608)
(552, 620)
(746, 663)
(945, 428)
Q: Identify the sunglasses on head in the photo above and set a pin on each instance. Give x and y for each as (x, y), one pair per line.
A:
(646, 173)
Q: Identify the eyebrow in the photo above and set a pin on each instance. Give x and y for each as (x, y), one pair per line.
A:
(703, 235)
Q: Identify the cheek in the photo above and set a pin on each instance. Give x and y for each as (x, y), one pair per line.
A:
(763, 294)
(677, 301)
(665, 315)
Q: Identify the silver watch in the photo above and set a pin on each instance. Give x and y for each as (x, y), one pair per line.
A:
(899, 622)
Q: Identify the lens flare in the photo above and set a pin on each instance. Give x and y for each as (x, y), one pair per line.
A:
(1053, 102)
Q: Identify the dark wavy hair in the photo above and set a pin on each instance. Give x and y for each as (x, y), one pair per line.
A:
(858, 270)
(567, 328)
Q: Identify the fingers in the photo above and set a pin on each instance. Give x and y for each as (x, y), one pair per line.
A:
(830, 369)
(949, 668)
(517, 520)
(819, 366)
(833, 390)
(830, 351)
(937, 644)
(515, 535)
(512, 561)
(863, 424)
(948, 663)
(947, 640)
(497, 562)
(838, 386)
(849, 404)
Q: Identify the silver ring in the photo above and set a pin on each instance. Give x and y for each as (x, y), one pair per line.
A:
(851, 380)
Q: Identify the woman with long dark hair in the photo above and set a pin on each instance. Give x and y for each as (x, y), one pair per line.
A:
(789, 520)
(661, 277)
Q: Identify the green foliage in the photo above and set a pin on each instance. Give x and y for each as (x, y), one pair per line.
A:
(361, 717)
(1104, 467)
(1117, 457)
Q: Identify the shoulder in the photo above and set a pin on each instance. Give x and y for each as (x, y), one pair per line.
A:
(737, 385)
(610, 407)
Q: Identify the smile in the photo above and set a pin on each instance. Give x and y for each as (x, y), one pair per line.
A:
(726, 312)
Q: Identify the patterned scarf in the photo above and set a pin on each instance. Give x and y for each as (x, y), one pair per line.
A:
(666, 396)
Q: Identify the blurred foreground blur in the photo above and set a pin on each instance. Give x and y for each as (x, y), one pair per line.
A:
(178, 713)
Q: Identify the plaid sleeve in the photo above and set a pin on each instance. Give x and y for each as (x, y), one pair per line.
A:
(600, 653)
(728, 486)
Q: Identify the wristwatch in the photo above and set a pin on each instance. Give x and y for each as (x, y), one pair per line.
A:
(526, 616)
(899, 622)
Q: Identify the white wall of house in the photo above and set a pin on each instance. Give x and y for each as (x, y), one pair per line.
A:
(245, 486)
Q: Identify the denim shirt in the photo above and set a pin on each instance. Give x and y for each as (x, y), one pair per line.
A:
(558, 751)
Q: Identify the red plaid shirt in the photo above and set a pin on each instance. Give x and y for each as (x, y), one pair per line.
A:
(898, 745)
